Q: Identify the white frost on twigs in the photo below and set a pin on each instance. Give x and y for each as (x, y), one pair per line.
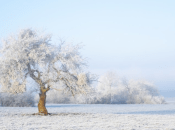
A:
(82, 80)
(31, 55)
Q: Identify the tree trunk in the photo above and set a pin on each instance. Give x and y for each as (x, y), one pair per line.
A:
(42, 101)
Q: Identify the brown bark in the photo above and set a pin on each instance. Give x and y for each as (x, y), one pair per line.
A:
(42, 101)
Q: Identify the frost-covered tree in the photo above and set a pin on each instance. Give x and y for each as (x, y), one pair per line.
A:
(107, 83)
(138, 92)
(30, 54)
(112, 89)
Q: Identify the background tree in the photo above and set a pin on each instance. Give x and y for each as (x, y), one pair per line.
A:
(107, 83)
(113, 89)
(30, 54)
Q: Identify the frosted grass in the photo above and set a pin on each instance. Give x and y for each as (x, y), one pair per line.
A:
(94, 117)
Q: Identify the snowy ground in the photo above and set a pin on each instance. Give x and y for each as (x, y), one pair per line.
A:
(90, 117)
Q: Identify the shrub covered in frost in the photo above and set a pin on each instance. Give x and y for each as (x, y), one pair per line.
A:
(16, 100)
(121, 91)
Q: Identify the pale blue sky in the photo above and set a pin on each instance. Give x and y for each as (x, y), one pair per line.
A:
(135, 38)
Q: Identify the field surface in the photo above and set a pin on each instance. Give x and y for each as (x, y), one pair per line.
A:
(90, 117)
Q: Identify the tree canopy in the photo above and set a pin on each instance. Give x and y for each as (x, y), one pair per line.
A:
(31, 54)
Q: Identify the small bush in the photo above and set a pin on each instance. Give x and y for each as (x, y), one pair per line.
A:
(16, 100)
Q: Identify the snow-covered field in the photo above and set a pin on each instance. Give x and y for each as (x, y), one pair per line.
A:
(90, 117)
